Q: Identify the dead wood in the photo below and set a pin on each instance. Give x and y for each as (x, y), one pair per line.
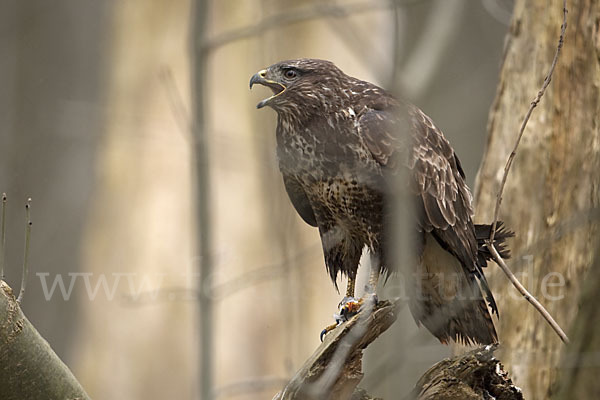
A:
(334, 370)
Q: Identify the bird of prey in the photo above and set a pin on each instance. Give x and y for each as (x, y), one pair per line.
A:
(342, 146)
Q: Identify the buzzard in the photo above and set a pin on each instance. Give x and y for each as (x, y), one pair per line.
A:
(343, 145)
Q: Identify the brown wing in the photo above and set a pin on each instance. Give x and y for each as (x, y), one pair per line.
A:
(299, 200)
(400, 135)
(444, 195)
(403, 136)
(406, 137)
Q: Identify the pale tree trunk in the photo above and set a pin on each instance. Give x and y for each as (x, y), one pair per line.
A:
(551, 195)
(579, 376)
(136, 338)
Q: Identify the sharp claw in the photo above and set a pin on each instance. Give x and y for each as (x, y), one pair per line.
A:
(328, 329)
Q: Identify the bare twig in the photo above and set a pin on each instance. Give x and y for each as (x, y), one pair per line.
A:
(536, 304)
(25, 272)
(534, 103)
(490, 244)
(3, 236)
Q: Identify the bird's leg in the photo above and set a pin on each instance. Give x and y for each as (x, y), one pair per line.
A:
(349, 291)
(350, 286)
(350, 306)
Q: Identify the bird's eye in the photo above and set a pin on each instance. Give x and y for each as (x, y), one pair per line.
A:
(290, 74)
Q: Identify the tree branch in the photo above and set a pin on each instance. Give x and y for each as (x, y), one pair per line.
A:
(537, 305)
(29, 368)
(473, 375)
(528, 296)
(335, 368)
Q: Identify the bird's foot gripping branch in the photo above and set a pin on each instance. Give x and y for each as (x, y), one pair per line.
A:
(348, 308)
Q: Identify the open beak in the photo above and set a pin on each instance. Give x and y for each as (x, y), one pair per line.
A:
(276, 87)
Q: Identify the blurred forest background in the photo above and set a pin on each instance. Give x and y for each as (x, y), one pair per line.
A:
(95, 114)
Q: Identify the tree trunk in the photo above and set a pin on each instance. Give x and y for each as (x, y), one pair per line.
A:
(137, 330)
(551, 195)
(580, 367)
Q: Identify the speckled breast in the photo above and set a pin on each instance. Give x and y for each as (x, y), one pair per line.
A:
(340, 178)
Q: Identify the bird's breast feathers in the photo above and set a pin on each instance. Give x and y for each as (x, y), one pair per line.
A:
(326, 148)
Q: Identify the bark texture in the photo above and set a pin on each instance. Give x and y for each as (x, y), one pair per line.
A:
(471, 376)
(551, 196)
(335, 368)
(580, 367)
(29, 368)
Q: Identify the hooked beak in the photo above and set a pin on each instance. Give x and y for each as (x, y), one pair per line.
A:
(276, 87)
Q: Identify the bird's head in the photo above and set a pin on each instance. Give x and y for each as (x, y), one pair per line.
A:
(305, 82)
